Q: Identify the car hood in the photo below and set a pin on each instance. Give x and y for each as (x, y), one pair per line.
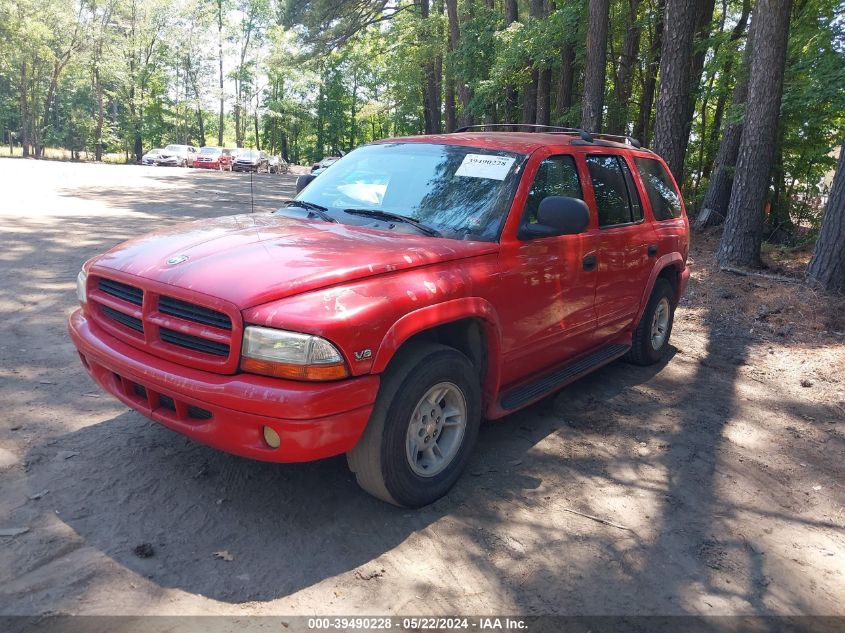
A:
(249, 260)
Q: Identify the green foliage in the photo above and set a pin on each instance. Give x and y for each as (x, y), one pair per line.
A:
(323, 77)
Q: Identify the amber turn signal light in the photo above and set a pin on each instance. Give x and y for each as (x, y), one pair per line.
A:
(294, 372)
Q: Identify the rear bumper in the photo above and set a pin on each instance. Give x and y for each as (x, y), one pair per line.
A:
(214, 165)
(313, 420)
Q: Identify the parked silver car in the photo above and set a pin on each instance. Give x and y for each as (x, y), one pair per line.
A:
(152, 157)
(278, 165)
(252, 160)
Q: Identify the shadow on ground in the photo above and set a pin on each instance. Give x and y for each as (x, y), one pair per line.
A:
(645, 447)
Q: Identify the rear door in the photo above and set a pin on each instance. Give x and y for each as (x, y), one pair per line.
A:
(547, 316)
(667, 208)
(626, 243)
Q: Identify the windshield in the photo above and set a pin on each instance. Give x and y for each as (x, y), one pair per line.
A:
(210, 150)
(461, 192)
(174, 148)
(251, 154)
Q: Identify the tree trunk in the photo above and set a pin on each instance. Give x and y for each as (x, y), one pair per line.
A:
(727, 70)
(98, 129)
(542, 110)
(740, 244)
(704, 20)
(529, 99)
(714, 207)
(827, 267)
(24, 108)
(622, 88)
(431, 97)
(671, 121)
(594, 66)
(452, 47)
(221, 119)
(565, 84)
(511, 97)
(544, 81)
(201, 125)
(48, 106)
(642, 128)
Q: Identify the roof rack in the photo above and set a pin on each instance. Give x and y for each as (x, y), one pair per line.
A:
(587, 137)
(534, 127)
(621, 138)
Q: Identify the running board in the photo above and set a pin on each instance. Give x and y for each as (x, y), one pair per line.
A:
(522, 395)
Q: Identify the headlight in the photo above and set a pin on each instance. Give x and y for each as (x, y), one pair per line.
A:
(290, 355)
(81, 280)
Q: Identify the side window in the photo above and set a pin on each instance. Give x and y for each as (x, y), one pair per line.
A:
(633, 194)
(664, 198)
(556, 176)
(616, 204)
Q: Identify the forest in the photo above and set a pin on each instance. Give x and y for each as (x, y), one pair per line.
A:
(744, 99)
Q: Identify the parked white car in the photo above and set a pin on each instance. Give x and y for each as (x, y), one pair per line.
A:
(178, 156)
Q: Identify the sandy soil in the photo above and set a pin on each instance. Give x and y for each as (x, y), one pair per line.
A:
(724, 465)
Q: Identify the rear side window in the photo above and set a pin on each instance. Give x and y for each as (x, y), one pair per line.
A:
(556, 176)
(664, 198)
(616, 198)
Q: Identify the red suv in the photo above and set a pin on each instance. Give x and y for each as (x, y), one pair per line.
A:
(214, 158)
(419, 285)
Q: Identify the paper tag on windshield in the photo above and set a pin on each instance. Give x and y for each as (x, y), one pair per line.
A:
(485, 166)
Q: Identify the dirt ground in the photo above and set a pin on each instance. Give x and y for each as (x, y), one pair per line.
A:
(724, 465)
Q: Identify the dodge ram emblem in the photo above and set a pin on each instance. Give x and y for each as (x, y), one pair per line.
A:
(177, 259)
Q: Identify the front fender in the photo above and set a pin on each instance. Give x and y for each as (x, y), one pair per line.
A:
(440, 314)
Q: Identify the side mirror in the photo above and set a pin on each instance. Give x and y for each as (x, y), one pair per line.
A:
(558, 215)
(304, 181)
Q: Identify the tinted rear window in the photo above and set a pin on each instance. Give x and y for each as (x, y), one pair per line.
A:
(664, 198)
(611, 189)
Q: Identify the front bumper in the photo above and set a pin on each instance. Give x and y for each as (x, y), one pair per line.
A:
(242, 167)
(313, 420)
(169, 162)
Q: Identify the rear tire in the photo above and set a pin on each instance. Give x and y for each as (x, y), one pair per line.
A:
(406, 456)
(651, 338)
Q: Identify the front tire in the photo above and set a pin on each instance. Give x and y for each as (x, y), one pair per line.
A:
(422, 429)
(651, 338)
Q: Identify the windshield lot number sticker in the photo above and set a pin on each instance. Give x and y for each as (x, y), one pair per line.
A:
(484, 166)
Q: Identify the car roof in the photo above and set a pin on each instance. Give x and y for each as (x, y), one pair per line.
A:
(521, 142)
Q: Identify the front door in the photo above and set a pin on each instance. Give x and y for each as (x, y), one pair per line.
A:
(551, 282)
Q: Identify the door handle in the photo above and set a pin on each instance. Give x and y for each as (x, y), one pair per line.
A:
(652, 250)
(590, 262)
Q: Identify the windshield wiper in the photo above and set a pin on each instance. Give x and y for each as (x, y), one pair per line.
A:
(395, 217)
(317, 209)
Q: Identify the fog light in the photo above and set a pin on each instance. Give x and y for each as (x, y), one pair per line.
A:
(271, 437)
